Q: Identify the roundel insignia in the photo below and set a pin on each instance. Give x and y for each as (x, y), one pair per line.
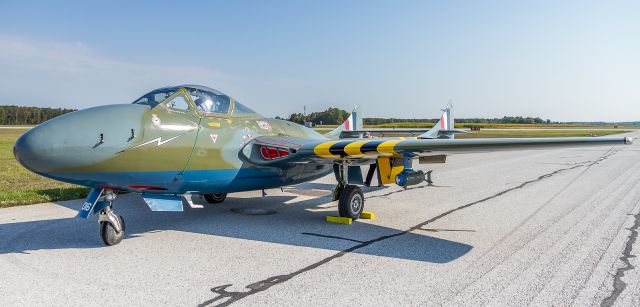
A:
(263, 125)
(155, 120)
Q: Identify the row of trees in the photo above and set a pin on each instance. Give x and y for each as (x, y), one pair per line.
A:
(380, 121)
(506, 120)
(331, 116)
(334, 116)
(15, 115)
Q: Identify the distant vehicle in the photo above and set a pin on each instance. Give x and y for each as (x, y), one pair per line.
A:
(176, 142)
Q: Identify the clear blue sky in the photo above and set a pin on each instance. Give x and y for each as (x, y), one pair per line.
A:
(563, 60)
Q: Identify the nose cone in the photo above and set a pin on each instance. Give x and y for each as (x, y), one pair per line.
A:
(73, 140)
(52, 145)
(30, 148)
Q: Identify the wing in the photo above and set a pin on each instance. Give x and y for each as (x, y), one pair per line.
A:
(268, 150)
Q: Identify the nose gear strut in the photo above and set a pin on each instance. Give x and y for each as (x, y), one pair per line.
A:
(112, 228)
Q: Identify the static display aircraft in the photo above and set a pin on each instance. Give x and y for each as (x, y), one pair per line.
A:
(178, 142)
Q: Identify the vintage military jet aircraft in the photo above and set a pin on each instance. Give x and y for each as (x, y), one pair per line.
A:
(180, 141)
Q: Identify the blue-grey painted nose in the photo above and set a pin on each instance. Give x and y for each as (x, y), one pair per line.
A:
(29, 149)
(78, 139)
(50, 145)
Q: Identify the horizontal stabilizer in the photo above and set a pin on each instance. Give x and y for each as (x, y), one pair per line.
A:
(354, 134)
(448, 134)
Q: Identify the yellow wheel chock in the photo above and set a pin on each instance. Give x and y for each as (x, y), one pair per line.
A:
(367, 215)
(339, 220)
(347, 220)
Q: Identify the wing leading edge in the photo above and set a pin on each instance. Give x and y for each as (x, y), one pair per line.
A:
(393, 147)
(302, 149)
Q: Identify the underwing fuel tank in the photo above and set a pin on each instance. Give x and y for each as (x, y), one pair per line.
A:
(78, 139)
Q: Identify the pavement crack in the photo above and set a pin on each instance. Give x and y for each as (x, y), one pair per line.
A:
(440, 229)
(263, 285)
(385, 195)
(618, 284)
(330, 237)
(565, 164)
(605, 156)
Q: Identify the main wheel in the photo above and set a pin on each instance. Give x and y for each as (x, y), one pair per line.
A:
(109, 234)
(351, 202)
(215, 197)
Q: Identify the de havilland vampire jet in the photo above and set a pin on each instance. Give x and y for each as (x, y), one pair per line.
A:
(177, 142)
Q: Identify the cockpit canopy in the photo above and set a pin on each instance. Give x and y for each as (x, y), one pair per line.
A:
(207, 101)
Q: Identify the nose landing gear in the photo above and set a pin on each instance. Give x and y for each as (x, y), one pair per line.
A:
(111, 226)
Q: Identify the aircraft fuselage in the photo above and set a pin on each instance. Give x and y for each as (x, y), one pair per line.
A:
(160, 148)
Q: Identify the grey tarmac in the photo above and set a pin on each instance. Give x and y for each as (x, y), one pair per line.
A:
(549, 227)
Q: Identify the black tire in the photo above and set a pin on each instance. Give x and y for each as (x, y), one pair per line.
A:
(108, 233)
(215, 198)
(351, 202)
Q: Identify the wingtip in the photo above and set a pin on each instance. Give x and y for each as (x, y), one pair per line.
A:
(628, 140)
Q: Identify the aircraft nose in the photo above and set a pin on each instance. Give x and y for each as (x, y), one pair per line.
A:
(22, 150)
(35, 148)
(78, 139)
(25, 150)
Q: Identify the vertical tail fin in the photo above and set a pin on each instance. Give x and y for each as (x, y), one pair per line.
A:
(354, 122)
(444, 128)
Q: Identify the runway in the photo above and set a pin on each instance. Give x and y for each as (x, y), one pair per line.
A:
(542, 227)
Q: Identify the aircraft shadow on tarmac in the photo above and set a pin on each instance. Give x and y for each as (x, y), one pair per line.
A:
(297, 224)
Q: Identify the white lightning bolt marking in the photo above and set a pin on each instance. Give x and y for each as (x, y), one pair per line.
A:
(159, 140)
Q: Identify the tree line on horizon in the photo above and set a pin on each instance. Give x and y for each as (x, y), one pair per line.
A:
(17, 115)
(335, 116)
(331, 116)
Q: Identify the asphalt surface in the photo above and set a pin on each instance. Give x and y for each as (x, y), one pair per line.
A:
(545, 227)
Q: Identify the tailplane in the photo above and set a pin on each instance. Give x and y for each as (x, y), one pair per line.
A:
(444, 128)
(353, 128)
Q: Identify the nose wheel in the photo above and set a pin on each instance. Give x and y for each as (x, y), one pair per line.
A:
(112, 226)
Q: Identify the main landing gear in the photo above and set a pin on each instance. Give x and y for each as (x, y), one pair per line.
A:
(111, 224)
(350, 197)
(215, 198)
